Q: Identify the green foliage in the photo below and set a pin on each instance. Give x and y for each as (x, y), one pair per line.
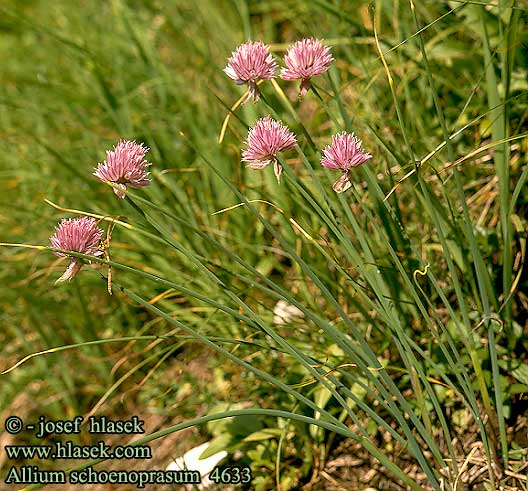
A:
(410, 316)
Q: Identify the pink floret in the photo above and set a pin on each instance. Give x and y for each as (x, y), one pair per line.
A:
(251, 62)
(81, 235)
(124, 166)
(304, 60)
(265, 140)
(344, 153)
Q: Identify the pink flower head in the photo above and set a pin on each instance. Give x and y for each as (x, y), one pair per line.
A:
(305, 59)
(265, 140)
(249, 63)
(125, 165)
(79, 234)
(344, 153)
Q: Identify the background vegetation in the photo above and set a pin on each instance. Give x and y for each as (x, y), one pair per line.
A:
(410, 331)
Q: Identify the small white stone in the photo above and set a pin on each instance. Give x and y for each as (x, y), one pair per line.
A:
(191, 461)
(283, 313)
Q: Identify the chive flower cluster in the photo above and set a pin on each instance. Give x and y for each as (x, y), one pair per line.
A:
(126, 165)
(252, 62)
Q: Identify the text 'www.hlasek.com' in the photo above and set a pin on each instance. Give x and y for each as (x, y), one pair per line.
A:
(85, 474)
